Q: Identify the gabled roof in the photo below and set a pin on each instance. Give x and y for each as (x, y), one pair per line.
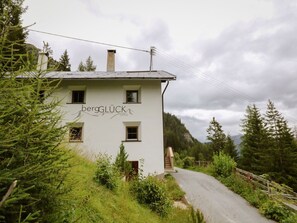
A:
(117, 75)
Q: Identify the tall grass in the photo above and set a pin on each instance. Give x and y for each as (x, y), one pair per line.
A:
(89, 202)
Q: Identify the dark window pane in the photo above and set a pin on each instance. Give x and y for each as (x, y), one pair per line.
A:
(132, 133)
(132, 96)
(75, 134)
(41, 95)
(78, 96)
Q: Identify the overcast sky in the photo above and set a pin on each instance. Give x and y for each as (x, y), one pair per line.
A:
(225, 54)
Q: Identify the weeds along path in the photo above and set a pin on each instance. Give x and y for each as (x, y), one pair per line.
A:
(217, 203)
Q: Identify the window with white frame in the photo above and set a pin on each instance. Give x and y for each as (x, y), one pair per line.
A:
(77, 94)
(76, 132)
(132, 94)
(132, 131)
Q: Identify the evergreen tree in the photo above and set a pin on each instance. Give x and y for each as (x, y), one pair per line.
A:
(88, 66)
(254, 146)
(31, 159)
(64, 64)
(122, 162)
(81, 66)
(283, 150)
(230, 148)
(13, 35)
(216, 136)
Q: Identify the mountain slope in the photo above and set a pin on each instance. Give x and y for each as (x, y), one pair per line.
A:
(177, 135)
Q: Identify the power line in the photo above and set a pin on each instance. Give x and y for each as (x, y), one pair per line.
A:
(172, 61)
(89, 41)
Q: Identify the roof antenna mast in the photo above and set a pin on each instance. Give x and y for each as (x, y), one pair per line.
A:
(152, 53)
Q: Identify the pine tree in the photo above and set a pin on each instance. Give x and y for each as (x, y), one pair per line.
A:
(64, 64)
(254, 146)
(30, 133)
(283, 150)
(81, 66)
(13, 35)
(122, 162)
(88, 66)
(216, 136)
(230, 148)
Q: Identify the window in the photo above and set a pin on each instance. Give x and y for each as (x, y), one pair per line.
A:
(78, 97)
(132, 133)
(76, 132)
(132, 96)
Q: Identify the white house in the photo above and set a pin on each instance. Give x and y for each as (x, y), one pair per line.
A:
(114, 107)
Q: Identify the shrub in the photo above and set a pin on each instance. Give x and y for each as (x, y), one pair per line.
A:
(178, 161)
(223, 165)
(106, 173)
(275, 211)
(291, 219)
(188, 162)
(254, 196)
(152, 192)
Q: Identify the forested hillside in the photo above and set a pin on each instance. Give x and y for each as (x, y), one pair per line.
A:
(176, 134)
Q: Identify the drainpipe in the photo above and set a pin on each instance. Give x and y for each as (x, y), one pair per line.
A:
(163, 114)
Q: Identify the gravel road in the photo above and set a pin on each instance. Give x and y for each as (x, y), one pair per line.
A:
(217, 203)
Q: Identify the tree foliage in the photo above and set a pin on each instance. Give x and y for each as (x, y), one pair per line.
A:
(269, 146)
(64, 62)
(254, 147)
(122, 163)
(13, 35)
(176, 134)
(216, 136)
(87, 66)
(282, 148)
(30, 133)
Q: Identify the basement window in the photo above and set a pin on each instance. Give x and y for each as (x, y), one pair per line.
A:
(132, 131)
(76, 132)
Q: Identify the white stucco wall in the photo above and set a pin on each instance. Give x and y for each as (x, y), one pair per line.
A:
(104, 132)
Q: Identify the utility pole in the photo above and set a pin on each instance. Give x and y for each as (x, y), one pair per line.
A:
(152, 53)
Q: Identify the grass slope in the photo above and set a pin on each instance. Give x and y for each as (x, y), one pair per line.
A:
(89, 202)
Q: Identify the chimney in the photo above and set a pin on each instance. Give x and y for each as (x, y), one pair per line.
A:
(42, 61)
(110, 60)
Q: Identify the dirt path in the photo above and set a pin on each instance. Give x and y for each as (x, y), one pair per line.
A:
(217, 203)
